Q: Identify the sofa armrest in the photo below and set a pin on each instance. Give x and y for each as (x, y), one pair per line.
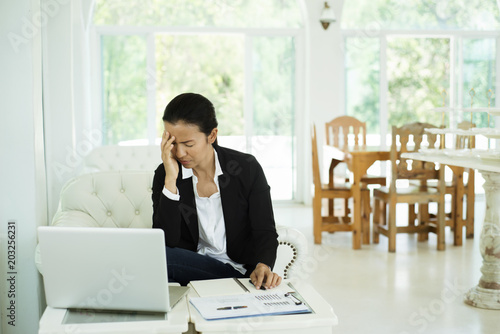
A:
(292, 250)
(70, 219)
(74, 219)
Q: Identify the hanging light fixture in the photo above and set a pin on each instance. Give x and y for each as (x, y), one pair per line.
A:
(327, 16)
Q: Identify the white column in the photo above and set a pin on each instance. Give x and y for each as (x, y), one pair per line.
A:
(487, 293)
(384, 89)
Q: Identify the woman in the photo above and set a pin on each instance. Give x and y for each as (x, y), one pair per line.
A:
(212, 203)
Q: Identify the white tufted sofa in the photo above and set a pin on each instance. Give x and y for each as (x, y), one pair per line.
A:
(123, 199)
(116, 157)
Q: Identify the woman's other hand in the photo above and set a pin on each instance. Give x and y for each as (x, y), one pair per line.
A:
(169, 162)
(263, 276)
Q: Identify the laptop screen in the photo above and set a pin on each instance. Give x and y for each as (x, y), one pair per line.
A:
(104, 268)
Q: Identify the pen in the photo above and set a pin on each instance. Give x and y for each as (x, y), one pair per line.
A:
(241, 284)
(230, 308)
(224, 308)
(261, 287)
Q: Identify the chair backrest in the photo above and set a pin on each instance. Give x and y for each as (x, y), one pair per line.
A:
(337, 133)
(406, 139)
(315, 160)
(107, 199)
(465, 141)
(116, 158)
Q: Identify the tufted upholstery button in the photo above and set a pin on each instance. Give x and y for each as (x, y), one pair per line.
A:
(109, 213)
(94, 193)
(137, 212)
(122, 190)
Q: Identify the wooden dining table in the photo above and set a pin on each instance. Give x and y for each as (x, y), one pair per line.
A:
(358, 162)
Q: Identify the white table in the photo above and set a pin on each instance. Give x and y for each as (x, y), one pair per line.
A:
(54, 321)
(321, 321)
(487, 293)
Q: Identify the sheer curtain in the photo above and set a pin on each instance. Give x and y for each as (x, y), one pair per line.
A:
(66, 91)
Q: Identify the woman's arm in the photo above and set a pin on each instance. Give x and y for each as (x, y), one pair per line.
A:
(166, 213)
(264, 230)
(260, 211)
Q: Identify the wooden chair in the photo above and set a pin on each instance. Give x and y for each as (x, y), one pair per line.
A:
(467, 190)
(331, 223)
(404, 169)
(461, 193)
(337, 134)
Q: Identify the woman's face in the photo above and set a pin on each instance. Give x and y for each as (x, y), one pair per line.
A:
(192, 148)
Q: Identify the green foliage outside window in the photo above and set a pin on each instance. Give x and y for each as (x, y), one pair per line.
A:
(418, 69)
(274, 89)
(479, 74)
(124, 88)
(211, 65)
(201, 13)
(421, 15)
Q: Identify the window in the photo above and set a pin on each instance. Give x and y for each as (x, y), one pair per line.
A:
(239, 54)
(417, 73)
(479, 72)
(400, 59)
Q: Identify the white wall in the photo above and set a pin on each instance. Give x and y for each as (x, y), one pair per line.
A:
(325, 64)
(324, 76)
(22, 171)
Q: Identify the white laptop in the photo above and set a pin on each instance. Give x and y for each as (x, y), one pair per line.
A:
(122, 269)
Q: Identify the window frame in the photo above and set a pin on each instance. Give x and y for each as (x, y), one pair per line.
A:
(298, 152)
(456, 63)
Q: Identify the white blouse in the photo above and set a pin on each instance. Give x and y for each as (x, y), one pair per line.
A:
(211, 227)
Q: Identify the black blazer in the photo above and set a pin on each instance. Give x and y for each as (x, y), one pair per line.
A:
(246, 204)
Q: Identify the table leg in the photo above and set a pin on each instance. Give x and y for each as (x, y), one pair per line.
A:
(469, 230)
(458, 206)
(487, 293)
(457, 218)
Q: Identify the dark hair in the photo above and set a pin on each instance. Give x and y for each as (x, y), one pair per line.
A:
(193, 109)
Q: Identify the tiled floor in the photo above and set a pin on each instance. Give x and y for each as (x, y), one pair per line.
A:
(415, 290)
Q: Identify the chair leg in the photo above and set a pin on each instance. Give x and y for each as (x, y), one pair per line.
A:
(441, 224)
(458, 208)
(412, 215)
(383, 213)
(347, 211)
(376, 220)
(392, 226)
(470, 205)
(423, 219)
(365, 216)
(317, 220)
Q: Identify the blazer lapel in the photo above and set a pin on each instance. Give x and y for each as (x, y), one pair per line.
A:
(228, 186)
(187, 206)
